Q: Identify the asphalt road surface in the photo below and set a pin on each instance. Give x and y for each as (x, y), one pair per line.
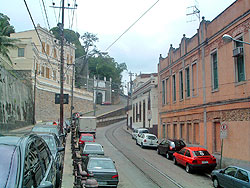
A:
(144, 168)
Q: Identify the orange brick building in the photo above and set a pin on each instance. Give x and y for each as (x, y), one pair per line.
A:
(206, 82)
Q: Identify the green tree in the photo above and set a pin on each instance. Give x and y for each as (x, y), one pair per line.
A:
(5, 41)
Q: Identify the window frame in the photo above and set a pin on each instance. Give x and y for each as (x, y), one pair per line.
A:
(194, 85)
(213, 71)
(174, 87)
(239, 37)
(187, 82)
(181, 85)
(21, 53)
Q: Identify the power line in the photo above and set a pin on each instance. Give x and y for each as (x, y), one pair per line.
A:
(133, 24)
(37, 32)
(42, 13)
(46, 14)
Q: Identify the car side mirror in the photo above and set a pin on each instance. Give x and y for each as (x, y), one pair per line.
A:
(59, 149)
(46, 184)
(222, 171)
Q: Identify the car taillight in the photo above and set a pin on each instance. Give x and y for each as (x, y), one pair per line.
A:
(170, 147)
(145, 140)
(85, 154)
(115, 176)
(194, 161)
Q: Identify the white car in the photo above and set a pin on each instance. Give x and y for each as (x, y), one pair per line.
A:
(147, 140)
(138, 131)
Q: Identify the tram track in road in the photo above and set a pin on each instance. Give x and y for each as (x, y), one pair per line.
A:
(155, 175)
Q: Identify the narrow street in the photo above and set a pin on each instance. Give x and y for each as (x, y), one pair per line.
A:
(144, 167)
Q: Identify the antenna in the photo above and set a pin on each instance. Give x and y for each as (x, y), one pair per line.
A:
(193, 12)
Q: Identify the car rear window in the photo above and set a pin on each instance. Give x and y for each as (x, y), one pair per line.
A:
(201, 153)
(93, 148)
(151, 137)
(9, 165)
(179, 143)
(87, 138)
(143, 131)
(101, 164)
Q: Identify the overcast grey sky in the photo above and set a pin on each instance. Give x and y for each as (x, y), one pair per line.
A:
(140, 47)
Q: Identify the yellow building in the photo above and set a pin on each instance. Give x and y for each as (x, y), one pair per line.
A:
(40, 61)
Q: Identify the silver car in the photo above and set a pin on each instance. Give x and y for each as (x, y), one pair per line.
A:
(92, 149)
(232, 177)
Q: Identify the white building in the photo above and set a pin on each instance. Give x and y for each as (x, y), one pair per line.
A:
(144, 112)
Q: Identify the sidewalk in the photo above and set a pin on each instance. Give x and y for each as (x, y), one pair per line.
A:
(67, 177)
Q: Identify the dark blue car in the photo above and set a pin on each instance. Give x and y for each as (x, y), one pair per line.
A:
(26, 161)
(232, 177)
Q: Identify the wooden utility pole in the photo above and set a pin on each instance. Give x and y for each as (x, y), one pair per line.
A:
(61, 27)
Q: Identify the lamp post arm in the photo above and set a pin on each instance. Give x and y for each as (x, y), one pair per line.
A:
(241, 41)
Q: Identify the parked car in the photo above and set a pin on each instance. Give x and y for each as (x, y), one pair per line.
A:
(50, 129)
(193, 158)
(91, 149)
(232, 177)
(138, 131)
(147, 140)
(57, 152)
(167, 147)
(86, 138)
(104, 170)
(26, 161)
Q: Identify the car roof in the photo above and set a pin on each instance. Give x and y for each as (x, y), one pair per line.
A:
(99, 157)
(242, 166)
(92, 143)
(149, 134)
(173, 140)
(15, 140)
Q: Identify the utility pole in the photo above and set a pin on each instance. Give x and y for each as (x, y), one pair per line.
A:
(61, 27)
(129, 95)
(62, 69)
(34, 104)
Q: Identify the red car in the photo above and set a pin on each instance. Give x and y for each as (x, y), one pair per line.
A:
(86, 138)
(195, 158)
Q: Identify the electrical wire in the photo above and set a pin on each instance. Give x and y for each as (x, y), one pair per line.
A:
(37, 32)
(42, 13)
(132, 25)
(45, 11)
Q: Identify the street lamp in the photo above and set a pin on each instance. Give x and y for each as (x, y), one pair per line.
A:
(227, 38)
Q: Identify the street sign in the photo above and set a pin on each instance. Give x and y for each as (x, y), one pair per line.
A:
(65, 98)
(223, 130)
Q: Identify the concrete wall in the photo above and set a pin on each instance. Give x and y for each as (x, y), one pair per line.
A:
(16, 107)
(47, 110)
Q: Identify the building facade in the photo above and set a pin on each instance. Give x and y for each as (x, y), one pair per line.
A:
(144, 103)
(40, 62)
(204, 84)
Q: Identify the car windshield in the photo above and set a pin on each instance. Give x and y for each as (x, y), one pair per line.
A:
(50, 141)
(151, 137)
(8, 165)
(93, 148)
(100, 164)
(87, 138)
(201, 153)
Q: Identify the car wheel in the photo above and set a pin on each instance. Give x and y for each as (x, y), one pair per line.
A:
(188, 170)
(175, 162)
(168, 156)
(216, 182)
(142, 145)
